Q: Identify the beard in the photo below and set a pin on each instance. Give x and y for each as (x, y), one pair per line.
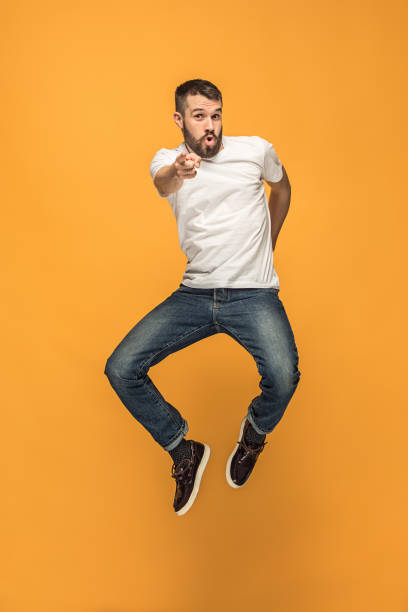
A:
(200, 147)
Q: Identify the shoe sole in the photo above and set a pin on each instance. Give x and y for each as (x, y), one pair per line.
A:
(200, 470)
(231, 483)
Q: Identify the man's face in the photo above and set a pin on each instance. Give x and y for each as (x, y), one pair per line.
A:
(202, 118)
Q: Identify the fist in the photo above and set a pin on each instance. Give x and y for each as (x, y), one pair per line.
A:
(186, 164)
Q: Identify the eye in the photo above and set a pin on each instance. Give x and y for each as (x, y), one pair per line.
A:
(200, 115)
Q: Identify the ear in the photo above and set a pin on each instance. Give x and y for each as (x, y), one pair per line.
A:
(178, 119)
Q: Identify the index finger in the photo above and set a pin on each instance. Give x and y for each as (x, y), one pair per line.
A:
(181, 158)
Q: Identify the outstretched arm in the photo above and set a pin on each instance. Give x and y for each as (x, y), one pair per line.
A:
(279, 200)
(170, 178)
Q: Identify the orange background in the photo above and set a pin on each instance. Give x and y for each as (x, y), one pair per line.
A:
(89, 248)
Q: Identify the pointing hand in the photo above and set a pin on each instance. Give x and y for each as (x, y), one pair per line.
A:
(186, 164)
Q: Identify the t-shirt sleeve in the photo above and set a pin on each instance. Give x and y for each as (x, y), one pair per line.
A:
(272, 166)
(163, 157)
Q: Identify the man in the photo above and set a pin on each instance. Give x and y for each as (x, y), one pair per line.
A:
(228, 233)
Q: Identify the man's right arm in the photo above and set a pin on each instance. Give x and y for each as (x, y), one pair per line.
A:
(169, 179)
(166, 180)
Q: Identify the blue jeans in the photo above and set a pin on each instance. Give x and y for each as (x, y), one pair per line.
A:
(254, 317)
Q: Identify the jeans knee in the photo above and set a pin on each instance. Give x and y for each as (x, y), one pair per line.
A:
(109, 368)
(285, 382)
(118, 366)
(296, 378)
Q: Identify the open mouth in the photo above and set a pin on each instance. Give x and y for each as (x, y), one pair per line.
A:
(209, 139)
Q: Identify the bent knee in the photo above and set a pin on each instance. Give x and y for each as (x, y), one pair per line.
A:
(119, 365)
(285, 380)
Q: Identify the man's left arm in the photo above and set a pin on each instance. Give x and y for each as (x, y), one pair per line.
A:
(279, 200)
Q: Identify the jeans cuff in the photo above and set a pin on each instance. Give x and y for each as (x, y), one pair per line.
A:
(179, 436)
(254, 425)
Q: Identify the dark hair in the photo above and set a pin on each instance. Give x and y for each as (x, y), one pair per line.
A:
(194, 87)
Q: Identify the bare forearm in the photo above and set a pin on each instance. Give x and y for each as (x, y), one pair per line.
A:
(278, 208)
(167, 181)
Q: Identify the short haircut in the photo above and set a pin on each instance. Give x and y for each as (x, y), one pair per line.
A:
(194, 87)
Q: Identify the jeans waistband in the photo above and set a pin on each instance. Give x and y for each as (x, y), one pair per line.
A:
(223, 290)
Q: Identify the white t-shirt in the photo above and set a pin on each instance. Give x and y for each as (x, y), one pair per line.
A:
(222, 214)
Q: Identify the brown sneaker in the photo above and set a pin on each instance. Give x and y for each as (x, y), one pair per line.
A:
(188, 473)
(242, 459)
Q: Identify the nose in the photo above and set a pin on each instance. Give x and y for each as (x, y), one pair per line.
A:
(209, 125)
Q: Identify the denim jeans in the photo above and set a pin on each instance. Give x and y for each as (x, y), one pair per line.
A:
(254, 317)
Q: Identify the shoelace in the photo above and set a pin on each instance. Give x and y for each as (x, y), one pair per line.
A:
(250, 450)
(182, 472)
